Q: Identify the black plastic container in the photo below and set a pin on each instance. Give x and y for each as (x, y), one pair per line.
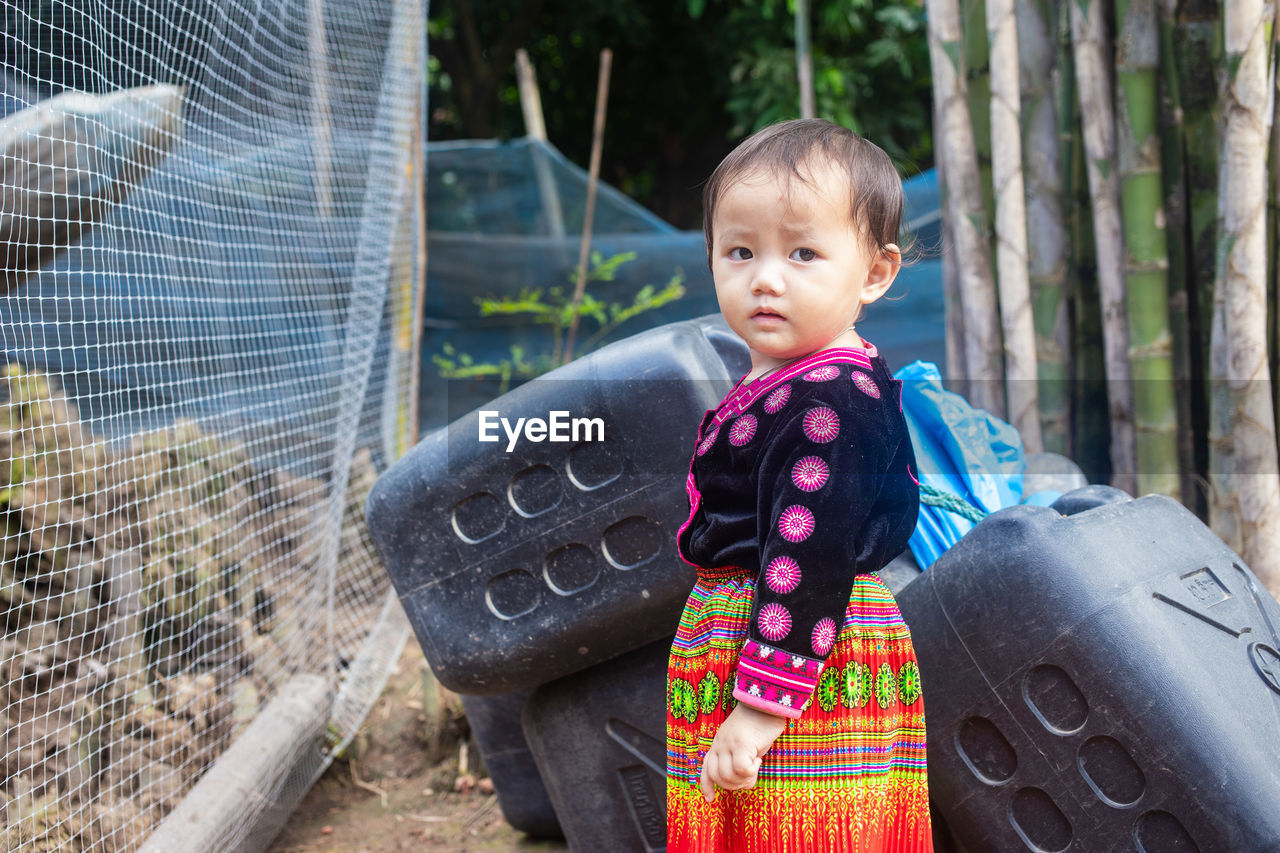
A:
(1103, 681)
(520, 566)
(599, 738)
(522, 795)
(1089, 497)
(899, 572)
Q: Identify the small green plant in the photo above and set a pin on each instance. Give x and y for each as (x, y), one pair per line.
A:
(554, 308)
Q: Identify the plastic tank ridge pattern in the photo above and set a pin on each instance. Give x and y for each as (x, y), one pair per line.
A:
(521, 562)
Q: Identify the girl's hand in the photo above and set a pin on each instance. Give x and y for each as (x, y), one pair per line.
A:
(740, 743)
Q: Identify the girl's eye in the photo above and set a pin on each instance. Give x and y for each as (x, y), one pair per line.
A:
(740, 254)
(803, 255)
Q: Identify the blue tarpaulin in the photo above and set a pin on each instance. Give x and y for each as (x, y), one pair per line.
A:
(960, 450)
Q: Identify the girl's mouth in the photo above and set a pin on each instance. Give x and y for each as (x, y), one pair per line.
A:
(765, 317)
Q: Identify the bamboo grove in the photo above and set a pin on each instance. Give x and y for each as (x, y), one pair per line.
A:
(1110, 175)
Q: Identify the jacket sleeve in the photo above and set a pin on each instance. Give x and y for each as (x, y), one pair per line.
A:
(837, 496)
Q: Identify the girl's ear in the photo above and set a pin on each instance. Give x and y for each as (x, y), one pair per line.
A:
(880, 275)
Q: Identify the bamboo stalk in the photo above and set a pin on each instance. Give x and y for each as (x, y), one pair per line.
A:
(1224, 510)
(804, 60)
(1202, 118)
(1224, 504)
(1078, 225)
(978, 80)
(1091, 424)
(964, 209)
(953, 310)
(1243, 198)
(593, 180)
(1173, 179)
(1146, 260)
(1088, 35)
(1090, 432)
(1273, 244)
(1011, 226)
(1198, 53)
(1047, 254)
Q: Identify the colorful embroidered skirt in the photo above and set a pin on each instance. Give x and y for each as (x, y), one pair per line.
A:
(846, 777)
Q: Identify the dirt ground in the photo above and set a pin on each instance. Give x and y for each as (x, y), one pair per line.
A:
(386, 793)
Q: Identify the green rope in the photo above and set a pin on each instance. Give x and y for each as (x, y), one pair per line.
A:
(946, 500)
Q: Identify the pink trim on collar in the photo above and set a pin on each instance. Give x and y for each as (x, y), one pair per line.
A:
(742, 396)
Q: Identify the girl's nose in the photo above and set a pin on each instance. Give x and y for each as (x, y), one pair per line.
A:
(768, 279)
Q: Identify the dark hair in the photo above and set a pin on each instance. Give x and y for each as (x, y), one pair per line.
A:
(788, 149)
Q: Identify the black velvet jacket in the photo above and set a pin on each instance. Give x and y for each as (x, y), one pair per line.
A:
(805, 477)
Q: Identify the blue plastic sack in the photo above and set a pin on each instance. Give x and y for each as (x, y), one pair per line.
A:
(961, 450)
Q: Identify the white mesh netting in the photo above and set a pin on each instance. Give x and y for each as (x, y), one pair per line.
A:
(210, 255)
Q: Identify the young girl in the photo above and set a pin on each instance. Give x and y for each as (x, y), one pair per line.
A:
(795, 720)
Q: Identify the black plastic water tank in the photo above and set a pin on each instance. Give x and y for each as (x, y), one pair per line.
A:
(522, 795)
(1103, 681)
(522, 561)
(599, 738)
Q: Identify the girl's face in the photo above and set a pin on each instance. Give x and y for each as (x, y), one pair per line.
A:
(791, 272)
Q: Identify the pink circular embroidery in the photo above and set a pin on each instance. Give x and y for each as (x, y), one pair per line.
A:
(708, 441)
(912, 475)
(821, 425)
(866, 384)
(777, 399)
(796, 523)
(810, 474)
(824, 636)
(743, 428)
(822, 374)
(783, 575)
(774, 621)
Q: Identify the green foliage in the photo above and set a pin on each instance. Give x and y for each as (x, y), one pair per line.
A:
(689, 79)
(870, 70)
(555, 309)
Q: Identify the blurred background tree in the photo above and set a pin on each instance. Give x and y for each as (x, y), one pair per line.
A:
(689, 80)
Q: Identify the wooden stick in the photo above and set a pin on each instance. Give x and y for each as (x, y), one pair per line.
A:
(320, 120)
(366, 786)
(530, 99)
(804, 60)
(535, 128)
(593, 178)
(419, 158)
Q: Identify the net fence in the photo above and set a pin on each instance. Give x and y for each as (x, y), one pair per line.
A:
(210, 256)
